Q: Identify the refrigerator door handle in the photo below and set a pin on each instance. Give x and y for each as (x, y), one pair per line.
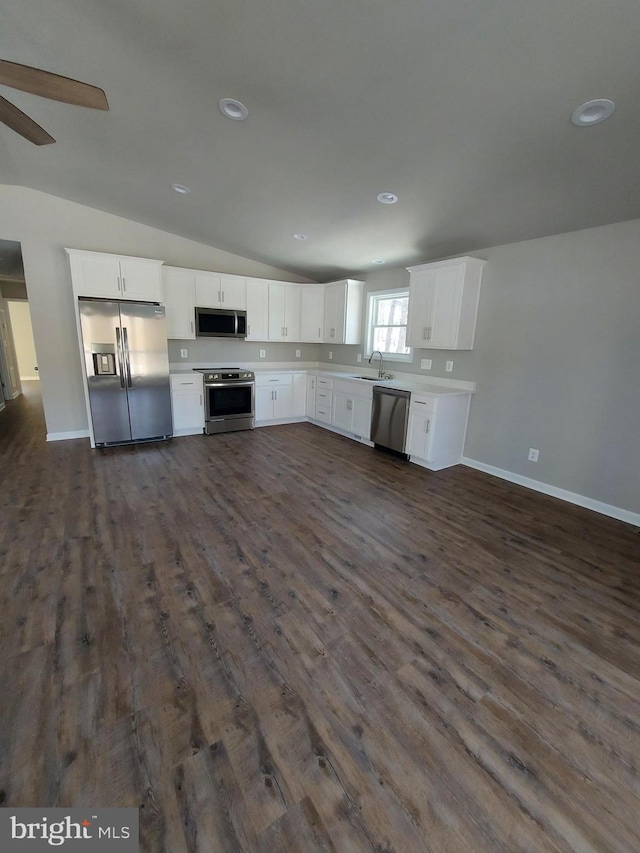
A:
(127, 360)
(120, 357)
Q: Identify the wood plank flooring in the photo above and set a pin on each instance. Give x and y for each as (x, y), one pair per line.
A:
(281, 640)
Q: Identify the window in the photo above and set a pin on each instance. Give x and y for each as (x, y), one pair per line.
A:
(387, 324)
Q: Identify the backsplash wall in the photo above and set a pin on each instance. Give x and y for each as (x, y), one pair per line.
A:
(220, 352)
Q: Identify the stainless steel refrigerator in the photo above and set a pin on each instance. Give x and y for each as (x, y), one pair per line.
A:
(127, 366)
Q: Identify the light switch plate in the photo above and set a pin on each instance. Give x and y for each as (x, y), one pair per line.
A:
(263, 353)
(183, 353)
(425, 364)
(448, 366)
(533, 454)
(330, 355)
(359, 357)
(298, 353)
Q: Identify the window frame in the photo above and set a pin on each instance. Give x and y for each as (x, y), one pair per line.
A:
(373, 297)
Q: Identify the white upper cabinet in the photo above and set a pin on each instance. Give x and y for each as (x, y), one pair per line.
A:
(257, 309)
(343, 312)
(312, 313)
(443, 304)
(215, 290)
(284, 312)
(179, 289)
(115, 276)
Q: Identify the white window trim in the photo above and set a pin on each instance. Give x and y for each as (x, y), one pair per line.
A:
(372, 296)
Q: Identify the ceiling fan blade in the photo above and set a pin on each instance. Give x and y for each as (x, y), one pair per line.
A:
(52, 86)
(22, 124)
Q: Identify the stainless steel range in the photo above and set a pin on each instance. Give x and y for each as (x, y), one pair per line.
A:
(229, 394)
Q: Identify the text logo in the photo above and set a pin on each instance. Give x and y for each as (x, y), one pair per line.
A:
(103, 830)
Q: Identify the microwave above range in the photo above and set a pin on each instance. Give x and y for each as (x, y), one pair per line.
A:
(220, 323)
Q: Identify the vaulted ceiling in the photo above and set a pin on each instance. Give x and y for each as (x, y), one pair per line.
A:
(460, 107)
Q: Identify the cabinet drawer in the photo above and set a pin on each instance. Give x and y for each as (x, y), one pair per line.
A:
(422, 403)
(185, 383)
(324, 382)
(323, 398)
(273, 380)
(323, 413)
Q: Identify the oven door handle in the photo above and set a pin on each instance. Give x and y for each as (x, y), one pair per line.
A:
(228, 384)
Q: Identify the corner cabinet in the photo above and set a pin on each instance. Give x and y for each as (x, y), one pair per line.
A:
(280, 398)
(343, 312)
(443, 304)
(107, 276)
(436, 429)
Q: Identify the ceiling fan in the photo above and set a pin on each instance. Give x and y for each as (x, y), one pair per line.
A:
(47, 85)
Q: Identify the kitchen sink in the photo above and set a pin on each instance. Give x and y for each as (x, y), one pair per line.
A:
(370, 378)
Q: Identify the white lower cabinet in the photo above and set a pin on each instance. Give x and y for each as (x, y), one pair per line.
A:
(324, 399)
(436, 429)
(187, 403)
(420, 428)
(280, 397)
(352, 404)
(311, 396)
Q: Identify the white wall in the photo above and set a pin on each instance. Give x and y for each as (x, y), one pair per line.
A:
(23, 338)
(45, 225)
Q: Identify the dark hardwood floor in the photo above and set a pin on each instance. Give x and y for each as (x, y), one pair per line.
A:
(281, 640)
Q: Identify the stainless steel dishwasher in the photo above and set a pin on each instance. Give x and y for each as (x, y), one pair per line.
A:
(389, 419)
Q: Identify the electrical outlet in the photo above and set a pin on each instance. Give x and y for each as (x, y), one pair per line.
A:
(448, 366)
(298, 353)
(533, 454)
(425, 364)
(330, 356)
(183, 353)
(359, 357)
(263, 353)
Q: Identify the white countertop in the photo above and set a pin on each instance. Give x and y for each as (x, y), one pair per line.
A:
(438, 386)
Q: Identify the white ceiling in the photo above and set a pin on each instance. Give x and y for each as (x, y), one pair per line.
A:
(461, 107)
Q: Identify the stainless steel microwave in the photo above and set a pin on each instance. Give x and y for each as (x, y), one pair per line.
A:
(220, 323)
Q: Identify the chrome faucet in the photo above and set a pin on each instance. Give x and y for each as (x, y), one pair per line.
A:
(380, 369)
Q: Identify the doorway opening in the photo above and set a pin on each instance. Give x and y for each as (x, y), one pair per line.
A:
(13, 287)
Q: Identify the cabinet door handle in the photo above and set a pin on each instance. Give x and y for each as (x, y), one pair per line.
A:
(249, 329)
(124, 284)
(428, 333)
(119, 285)
(349, 405)
(200, 400)
(286, 331)
(419, 402)
(427, 426)
(319, 335)
(222, 292)
(192, 327)
(273, 380)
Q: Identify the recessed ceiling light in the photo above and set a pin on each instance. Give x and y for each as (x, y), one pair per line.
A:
(180, 188)
(592, 112)
(387, 198)
(233, 109)
(298, 236)
(377, 260)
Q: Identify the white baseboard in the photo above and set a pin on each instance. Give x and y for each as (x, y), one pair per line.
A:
(64, 436)
(555, 492)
